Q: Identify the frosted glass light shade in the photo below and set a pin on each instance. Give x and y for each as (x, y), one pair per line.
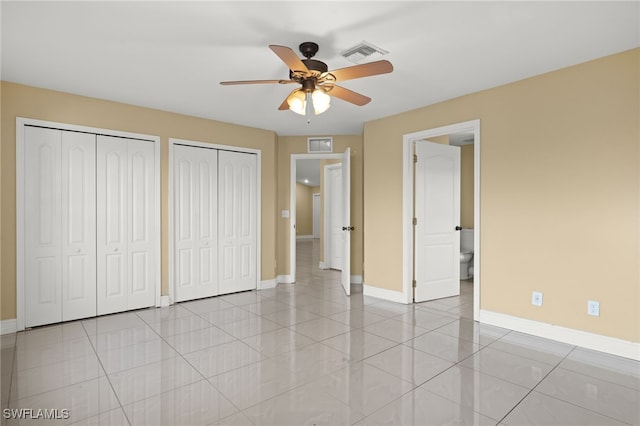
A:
(321, 101)
(297, 102)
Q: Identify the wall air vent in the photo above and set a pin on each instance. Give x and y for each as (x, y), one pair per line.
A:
(320, 145)
(362, 52)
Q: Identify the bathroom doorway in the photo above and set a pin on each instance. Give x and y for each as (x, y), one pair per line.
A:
(466, 136)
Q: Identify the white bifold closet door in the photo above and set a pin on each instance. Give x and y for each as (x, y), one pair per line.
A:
(237, 195)
(60, 237)
(126, 225)
(195, 195)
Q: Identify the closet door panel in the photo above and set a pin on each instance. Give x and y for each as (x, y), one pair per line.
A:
(237, 194)
(141, 225)
(207, 222)
(227, 224)
(246, 237)
(112, 207)
(78, 225)
(184, 211)
(195, 210)
(43, 218)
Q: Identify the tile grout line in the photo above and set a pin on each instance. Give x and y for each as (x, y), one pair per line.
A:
(13, 366)
(536, 385)
(95, 351)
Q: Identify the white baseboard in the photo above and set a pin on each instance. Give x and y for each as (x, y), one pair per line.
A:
(356, 279)
(266, 284)
(8, 326)
(304, 237)
(598, 342)
(284, 279)
(323, 265)
(383, 293)
(165, 301)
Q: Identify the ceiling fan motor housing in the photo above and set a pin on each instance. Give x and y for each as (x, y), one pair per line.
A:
(316, 69)
(315, 65)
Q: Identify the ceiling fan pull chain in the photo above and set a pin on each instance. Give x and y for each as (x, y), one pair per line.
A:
(307, 105)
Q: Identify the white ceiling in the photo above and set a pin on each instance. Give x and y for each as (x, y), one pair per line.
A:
(308, 172)
(172, 55)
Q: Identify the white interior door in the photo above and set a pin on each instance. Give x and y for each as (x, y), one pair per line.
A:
(316, 215)
(346, 215)
(78, 225)
(43, 236)
(112, 208)
(141, 225)
(195, 204)
(335, 210)
(125, 224)
(60, 273)
(237, 221)
(437, 212)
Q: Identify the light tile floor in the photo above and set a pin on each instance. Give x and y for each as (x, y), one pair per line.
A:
(305, 354)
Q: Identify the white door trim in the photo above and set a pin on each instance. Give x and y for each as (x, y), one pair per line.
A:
(407, 205)
(292, 207)
(172, 143)
(21, 122)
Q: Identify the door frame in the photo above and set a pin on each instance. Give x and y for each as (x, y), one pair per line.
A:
(21, 123)
(172, 143)
(291, 277)
(408, 205)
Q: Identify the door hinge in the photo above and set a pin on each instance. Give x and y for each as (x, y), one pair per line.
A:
(415, 221)
(414, 284)
(415, 158)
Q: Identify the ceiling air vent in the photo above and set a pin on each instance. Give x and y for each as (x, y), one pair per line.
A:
(362, 52)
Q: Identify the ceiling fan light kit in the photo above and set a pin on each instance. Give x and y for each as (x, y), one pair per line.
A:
(297, 102)
(317, 82)
(321, 101)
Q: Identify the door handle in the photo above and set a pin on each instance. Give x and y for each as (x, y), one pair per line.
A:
(348, 228)
(458, 228)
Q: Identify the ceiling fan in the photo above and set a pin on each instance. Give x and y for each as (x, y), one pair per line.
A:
(318, 84)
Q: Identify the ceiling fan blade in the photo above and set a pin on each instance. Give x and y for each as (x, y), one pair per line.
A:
(363, 70)
(347, 95)
(230, 83)
(284, 105)
(289, 57)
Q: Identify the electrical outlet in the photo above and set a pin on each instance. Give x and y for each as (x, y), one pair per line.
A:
(536, 298)
(593, 308)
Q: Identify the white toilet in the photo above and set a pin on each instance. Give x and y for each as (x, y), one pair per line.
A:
(466, 254)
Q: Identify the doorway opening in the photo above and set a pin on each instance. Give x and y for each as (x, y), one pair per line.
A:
(307, 161)
(455, 134)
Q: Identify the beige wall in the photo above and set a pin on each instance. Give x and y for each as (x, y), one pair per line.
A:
(466, 186)
(30, 102)
(560, 194)
(288, 145)
(304, 210)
